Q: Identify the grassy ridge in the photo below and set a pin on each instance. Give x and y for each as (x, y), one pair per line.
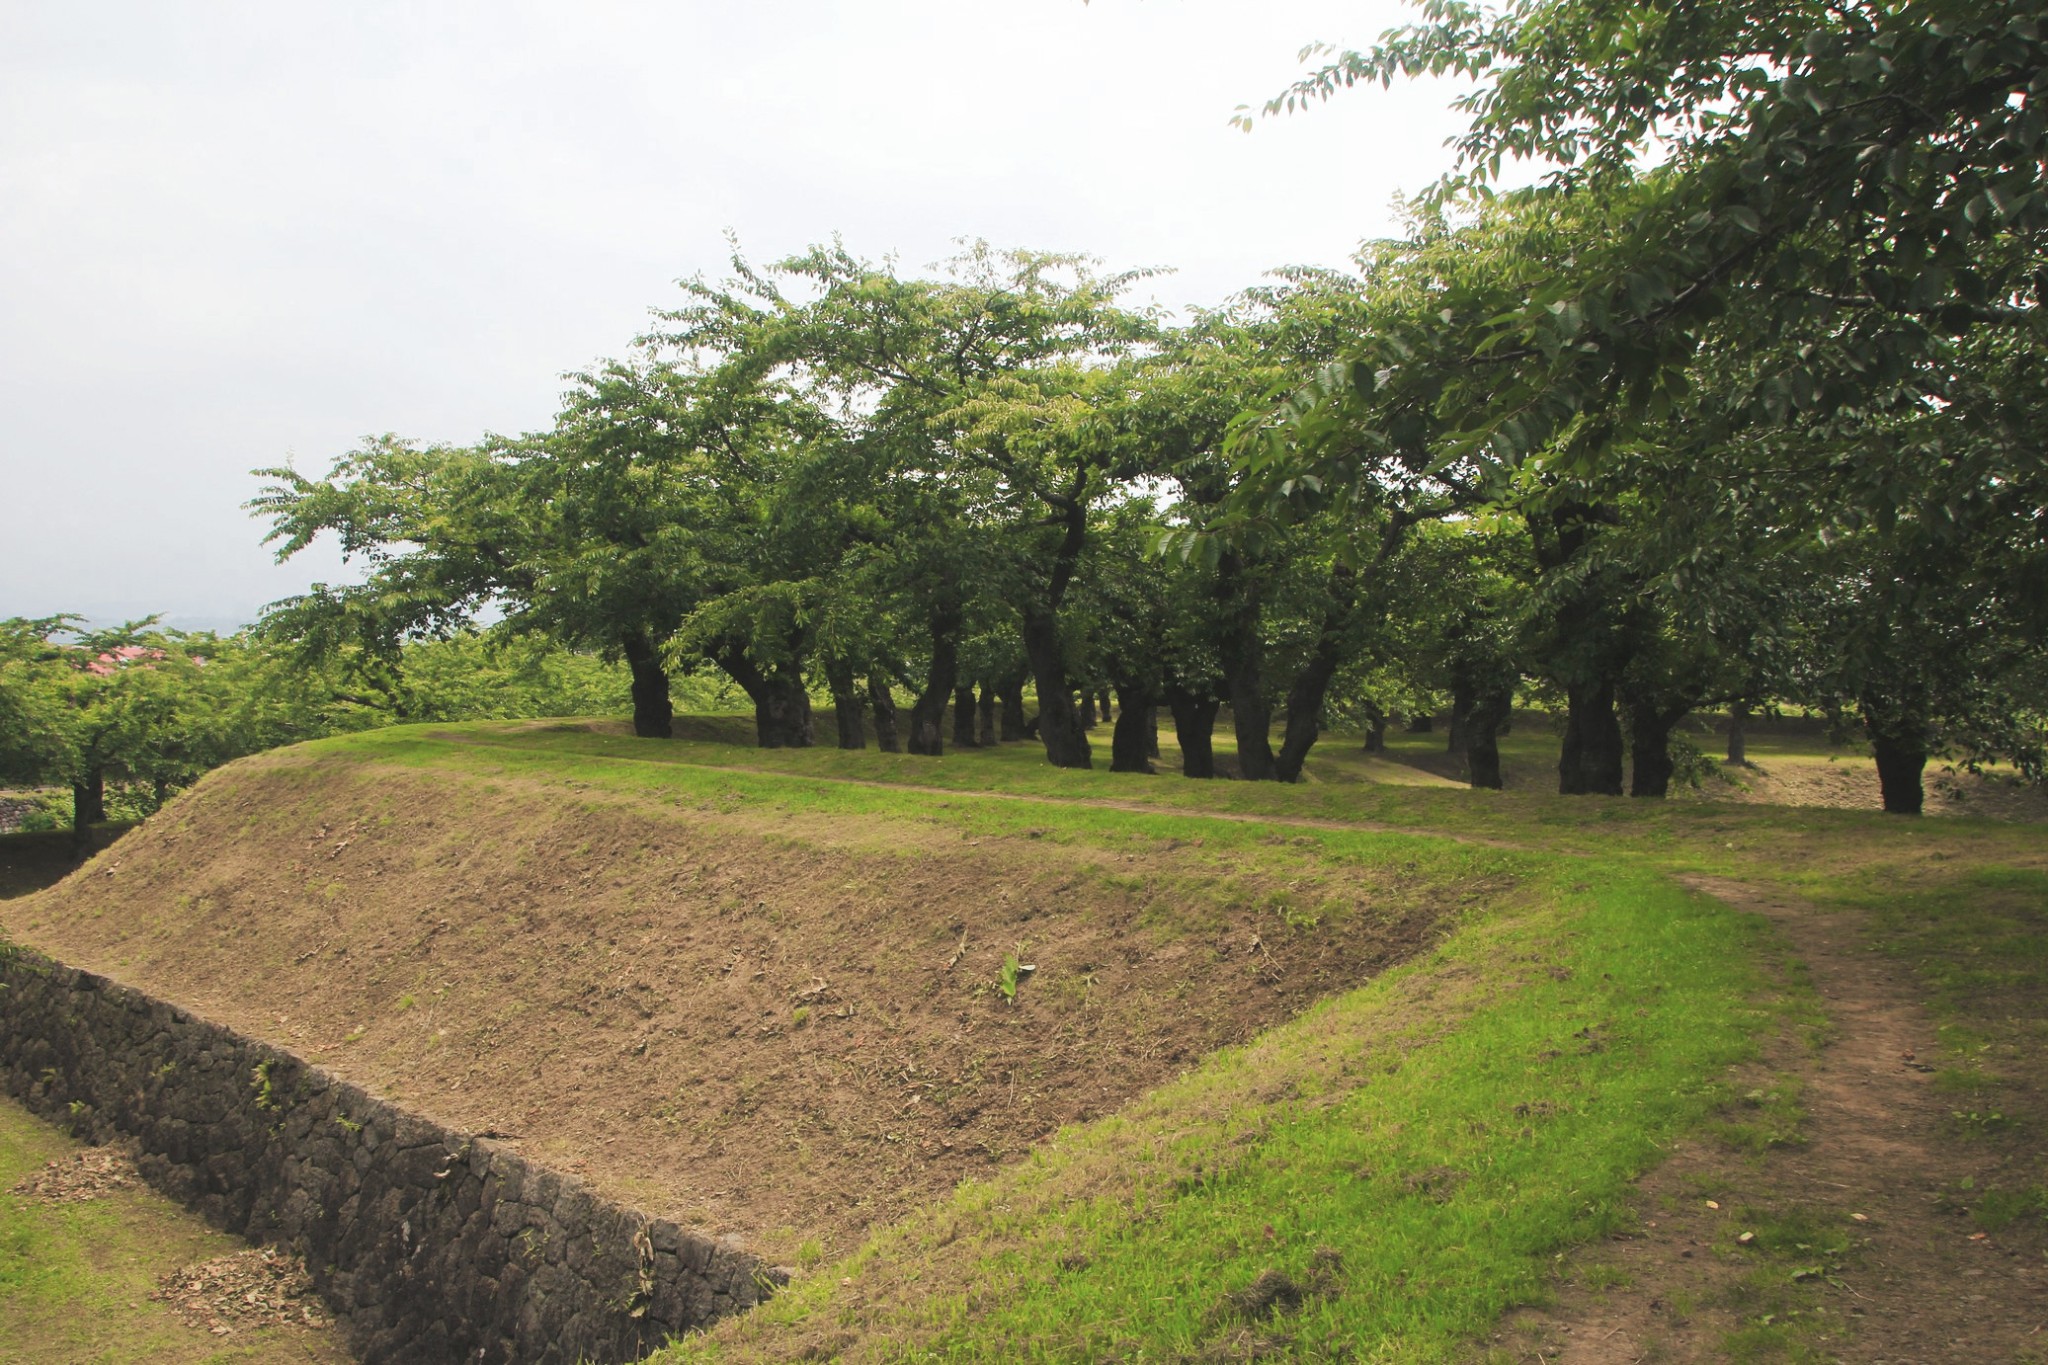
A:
(1398, 1165)
(1380, 1177)
(1812, 847)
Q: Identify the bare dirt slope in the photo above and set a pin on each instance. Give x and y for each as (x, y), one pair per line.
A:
(782, 1026)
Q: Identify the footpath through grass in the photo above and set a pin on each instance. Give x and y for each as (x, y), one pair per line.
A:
(1979, 940)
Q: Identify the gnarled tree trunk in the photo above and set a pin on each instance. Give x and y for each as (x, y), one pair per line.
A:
(1649, 736)
(1305, 697)
(88, 805)
(653, 712)
(1899, 770)
(985, 730)
(1194, 727)
(1482, 736)
(1059, 724)
(847, 709)
(1590, 764)
(782, 704)
(1130, 743)
(1462, 701)
(1375, 729)
(1899, 739)
(928, 713)
(963, 717)
(883, 702)
(1010, 696)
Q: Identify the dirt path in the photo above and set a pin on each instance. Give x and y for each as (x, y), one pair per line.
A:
(1879, 1266)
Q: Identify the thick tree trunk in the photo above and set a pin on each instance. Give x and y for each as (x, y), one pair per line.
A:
(653, 712)
(1086, 710)
(963, 717)
(985, 731)
(88, 804)
(1251, 715)
(782, 718)
(1649, 735)
(1899, 770)
(1461, 711)
(1251, 720)
(1312, 684)
(883, 702)
(1375, 729)
(1194, 727)
(1130, 743)
(1482, 736)
(1590, 764)
(1304, 714)
(1059, 724)
(1900, 744)
(1738, 741)
(847, 708)
(782, 704)
(1011, 697)
(928, 713)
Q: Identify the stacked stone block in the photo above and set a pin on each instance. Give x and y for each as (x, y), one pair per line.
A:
(428, 1245)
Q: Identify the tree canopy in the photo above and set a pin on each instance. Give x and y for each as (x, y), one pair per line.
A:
(1738, 404)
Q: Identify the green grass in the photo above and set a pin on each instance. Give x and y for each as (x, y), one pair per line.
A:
(1803, 847)
(1411, 1155)
(75, 1278)
(1372, 1152)
(1405, 1161)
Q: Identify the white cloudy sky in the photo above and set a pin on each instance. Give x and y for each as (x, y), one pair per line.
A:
(234, 234)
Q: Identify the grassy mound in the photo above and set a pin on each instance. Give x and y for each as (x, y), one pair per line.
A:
(780, 1009)
(1011, 1062)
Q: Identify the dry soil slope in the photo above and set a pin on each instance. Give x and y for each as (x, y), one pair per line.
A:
(763, 1023)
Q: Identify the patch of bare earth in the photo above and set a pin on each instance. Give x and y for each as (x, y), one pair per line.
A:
(1848, 782)
(782, 1027)
(1851, 784)
(1895, 1274)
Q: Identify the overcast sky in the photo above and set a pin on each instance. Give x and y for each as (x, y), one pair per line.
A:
(235, 235)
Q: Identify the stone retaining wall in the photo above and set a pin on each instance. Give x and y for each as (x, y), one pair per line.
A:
(428, 1245)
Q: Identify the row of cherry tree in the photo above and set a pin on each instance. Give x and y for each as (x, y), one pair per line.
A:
(1741, 405)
